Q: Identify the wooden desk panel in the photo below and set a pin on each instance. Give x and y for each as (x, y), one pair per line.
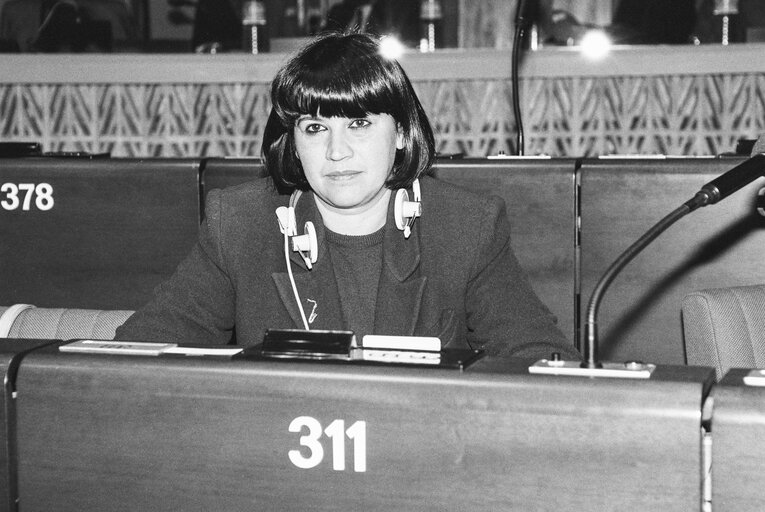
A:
(738, 445)
(11, 352)
(155, 433)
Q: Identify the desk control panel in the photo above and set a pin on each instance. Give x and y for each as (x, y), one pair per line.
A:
(755, 378)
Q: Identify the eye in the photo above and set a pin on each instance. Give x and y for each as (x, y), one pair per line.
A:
(313, 128)
(360, 123)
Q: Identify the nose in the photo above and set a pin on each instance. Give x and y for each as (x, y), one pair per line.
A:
(338, 147)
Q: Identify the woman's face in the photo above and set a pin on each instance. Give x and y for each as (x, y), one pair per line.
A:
(347, 160)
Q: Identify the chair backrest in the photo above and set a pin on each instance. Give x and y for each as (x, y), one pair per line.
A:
(226, 172)
(725, 327)
(27, 321)
(94, 233)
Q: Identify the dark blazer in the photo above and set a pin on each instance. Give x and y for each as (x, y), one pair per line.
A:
(455, 277)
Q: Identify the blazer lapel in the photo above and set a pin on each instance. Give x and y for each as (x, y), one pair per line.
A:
(318, 294)
(401, 288)
(317, 287)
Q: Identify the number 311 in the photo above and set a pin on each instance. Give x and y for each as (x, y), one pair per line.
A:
(337, 432)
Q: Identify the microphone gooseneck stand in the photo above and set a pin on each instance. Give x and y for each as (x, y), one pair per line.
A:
(520, 28)
(711, 193)
(591, 326)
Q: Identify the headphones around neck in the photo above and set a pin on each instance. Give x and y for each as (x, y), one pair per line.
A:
(404, 214)
(307, 245)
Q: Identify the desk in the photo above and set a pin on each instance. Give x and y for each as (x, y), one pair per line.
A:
(738, 444)
(11, 353)
(101, 432)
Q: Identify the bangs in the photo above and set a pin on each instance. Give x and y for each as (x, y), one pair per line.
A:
(344, 75)
(339, 90)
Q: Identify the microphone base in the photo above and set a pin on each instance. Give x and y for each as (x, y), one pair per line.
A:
(627, 370)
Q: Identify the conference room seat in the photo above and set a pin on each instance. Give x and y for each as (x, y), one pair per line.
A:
(227, 172)
(28, 321)
(725, 327)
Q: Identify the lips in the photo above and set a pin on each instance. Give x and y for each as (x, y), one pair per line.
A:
(342, 175)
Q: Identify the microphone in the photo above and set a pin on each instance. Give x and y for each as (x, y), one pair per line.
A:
(711, 193)
(738, 177)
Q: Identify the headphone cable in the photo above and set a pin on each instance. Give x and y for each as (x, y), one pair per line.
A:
(292, 281)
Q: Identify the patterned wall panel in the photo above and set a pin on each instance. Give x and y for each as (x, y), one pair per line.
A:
(566, 112)
(470, 117)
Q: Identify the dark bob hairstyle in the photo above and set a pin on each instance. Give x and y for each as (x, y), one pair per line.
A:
(344, 75)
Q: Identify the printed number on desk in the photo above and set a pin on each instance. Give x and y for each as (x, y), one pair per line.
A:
(336, 432)
(24, 196)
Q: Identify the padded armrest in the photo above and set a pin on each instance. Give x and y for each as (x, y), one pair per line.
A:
(25, 321)
(725, 327)
(8, 316)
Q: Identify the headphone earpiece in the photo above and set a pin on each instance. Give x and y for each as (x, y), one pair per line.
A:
(405, 211)
(307, 244)
(286, 217)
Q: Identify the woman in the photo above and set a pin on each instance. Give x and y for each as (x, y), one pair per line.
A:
(346, 142)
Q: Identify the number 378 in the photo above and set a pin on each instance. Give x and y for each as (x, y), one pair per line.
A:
(21, 195)
(337, 433)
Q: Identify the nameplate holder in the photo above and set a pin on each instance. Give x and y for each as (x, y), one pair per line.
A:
(117, 347)
(147, 348)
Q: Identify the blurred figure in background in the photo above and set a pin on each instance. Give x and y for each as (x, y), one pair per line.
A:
(746, 20)
(399, 18)
(633, 22)
(218, 24)
(654, 21)
(66, 25)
